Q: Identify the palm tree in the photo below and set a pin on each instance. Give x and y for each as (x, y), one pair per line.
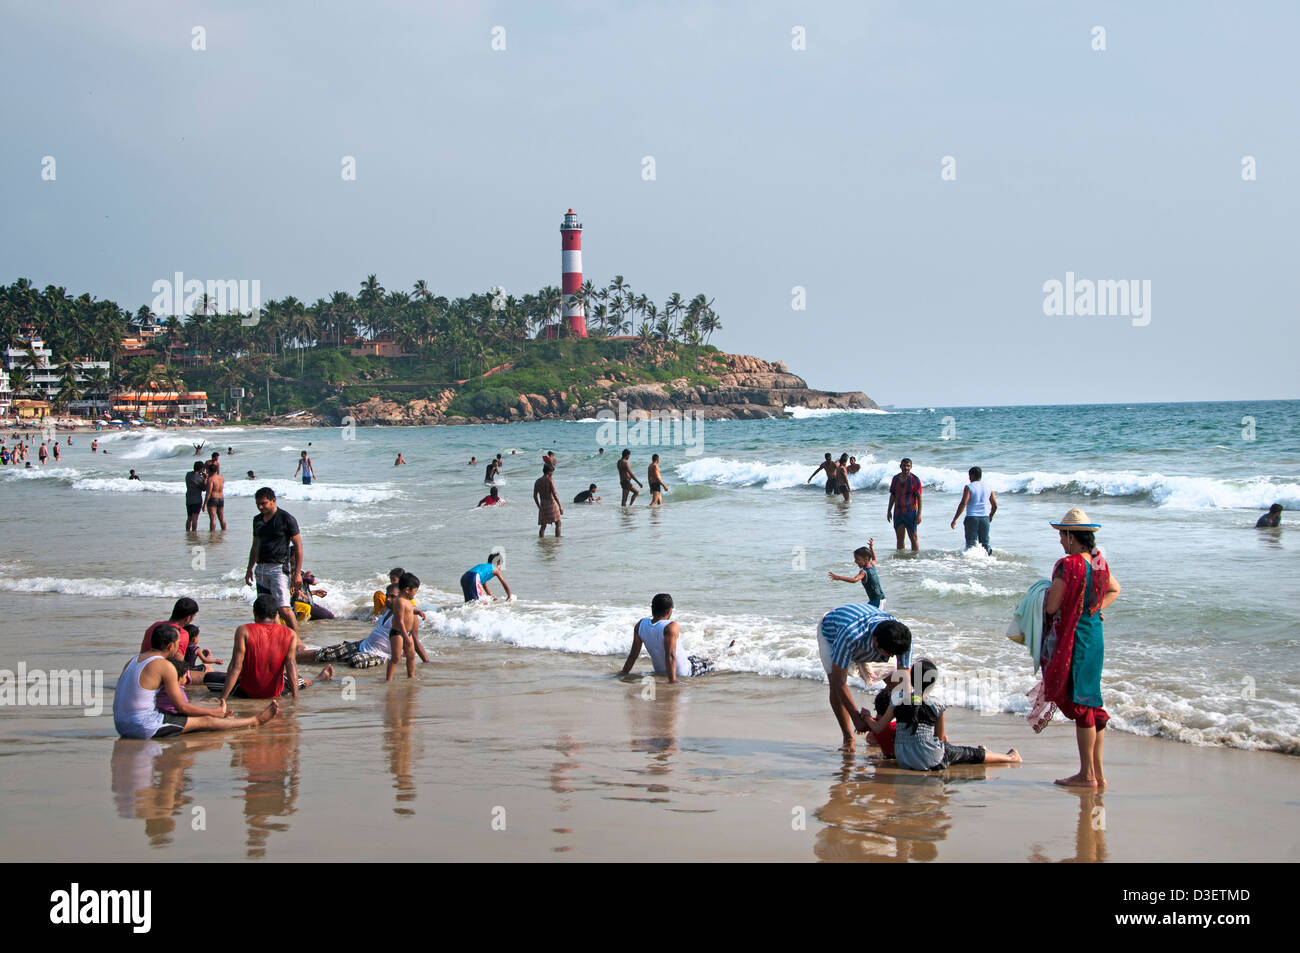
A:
(371, 301)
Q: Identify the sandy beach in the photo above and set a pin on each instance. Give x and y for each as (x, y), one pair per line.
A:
(495, 753)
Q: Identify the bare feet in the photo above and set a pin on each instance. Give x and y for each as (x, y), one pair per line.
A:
(1077, 781)
(849, 747)
(1014, 756)
(325, 674)
(269, 712)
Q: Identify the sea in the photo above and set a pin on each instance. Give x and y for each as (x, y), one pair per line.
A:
(1202, 646)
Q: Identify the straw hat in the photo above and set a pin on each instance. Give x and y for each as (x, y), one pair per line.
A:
(1077, 519)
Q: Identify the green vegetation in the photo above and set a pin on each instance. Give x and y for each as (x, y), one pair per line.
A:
(491, 346)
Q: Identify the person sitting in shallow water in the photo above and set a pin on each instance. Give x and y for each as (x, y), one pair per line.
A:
(1272, 518)
(492, 499)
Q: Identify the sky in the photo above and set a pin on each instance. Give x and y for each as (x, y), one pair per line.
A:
(878, 194)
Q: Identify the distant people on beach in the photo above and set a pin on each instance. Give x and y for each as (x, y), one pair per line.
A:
(587, 496)
(251, 475)
(626, 479)
(854, 466)
(215, 503)
(656, 481)
(94, 445)
(135, 710)
(490, 473)
(44, 454)
(920, 735)
(472, 461)
(276, 540)
(661, 638)
(196, 481)
(983, 504)
(598, 453)
(56, 451)
(547, 498)
(858, 635)
(492, 499)
(133, 476)
(305, 466)
(904, 509)
(264, 660)
(1272, 518)
(473, 582)
(1074, 648)
(400, 461)
(198, 447)
(865, 558)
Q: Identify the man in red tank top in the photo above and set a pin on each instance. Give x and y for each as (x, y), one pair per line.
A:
(264, 661)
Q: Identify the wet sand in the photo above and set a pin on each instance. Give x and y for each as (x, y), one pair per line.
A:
(497, 753)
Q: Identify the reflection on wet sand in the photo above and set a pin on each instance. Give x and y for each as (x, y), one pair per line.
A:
(652, 711)
(877, 811)
(269, 759)
(1089, 831)
(136, 793)
(399, 721)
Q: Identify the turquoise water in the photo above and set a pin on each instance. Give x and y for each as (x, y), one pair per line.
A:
(1202, 646)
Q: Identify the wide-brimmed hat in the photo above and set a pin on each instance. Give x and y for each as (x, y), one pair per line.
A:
(1077, 519)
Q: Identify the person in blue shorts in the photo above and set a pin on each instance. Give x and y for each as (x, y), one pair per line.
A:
(473, 583)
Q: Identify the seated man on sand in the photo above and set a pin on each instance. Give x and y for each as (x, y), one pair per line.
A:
(662, 640)
(858, 635)
(135, 710)
(368, 652)
(264, 661)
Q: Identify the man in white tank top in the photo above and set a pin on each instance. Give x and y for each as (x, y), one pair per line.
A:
(983, 503)
(662, 640)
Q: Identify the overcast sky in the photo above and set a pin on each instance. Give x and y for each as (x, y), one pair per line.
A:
(774, 167)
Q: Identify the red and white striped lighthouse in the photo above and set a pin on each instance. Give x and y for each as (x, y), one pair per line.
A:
(571, 274)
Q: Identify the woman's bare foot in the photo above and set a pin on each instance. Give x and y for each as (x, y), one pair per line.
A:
(269, 712)
(1077, 781)
(325, 674)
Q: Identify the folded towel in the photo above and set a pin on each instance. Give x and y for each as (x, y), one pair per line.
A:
(1026, 625)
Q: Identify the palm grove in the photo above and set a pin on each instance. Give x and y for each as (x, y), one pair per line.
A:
(289, 342)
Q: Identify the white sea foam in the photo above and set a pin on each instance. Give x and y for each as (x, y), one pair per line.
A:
(968, 588)
(101, 588)
(1180, 492)
(806, 413)
(285, 490)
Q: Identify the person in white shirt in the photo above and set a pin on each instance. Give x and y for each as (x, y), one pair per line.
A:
(662, 640)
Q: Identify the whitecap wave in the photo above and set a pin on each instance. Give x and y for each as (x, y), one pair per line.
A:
(812, 413)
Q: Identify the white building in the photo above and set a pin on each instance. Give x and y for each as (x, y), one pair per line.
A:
(6, 395)
(45, 374)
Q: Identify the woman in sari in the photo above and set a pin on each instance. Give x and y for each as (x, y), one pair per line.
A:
(1073, 649)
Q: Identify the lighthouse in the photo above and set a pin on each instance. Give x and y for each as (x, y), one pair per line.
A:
(571, 274)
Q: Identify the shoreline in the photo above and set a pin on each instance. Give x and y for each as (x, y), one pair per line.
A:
(496, 753)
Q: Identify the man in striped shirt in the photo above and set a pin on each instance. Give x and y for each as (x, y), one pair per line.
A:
(904, 509)
(858, 635)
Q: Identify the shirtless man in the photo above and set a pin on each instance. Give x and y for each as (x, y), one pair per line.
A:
(626, 479)
(198, 447)
(400, 461)
(547, 499)
(216, 501)
(841, 476)
(827, 466)
(403, 633)
(656, 481)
